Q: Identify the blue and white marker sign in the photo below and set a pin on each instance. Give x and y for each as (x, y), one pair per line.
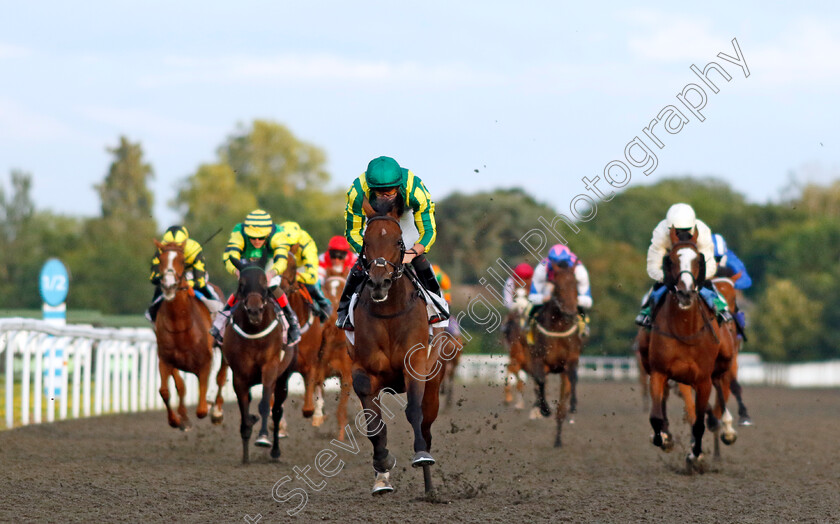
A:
(54, 282)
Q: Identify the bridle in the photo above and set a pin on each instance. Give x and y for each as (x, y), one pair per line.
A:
(179, 277)
(380, 262)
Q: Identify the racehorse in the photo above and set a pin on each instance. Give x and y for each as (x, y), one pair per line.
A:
(727, 289)
(450, 342)
(557, 343)
(513, 337)
(334, 357)
(257, 353)
(183, 340)
(310, 329)
(392, 351)
(686, 345)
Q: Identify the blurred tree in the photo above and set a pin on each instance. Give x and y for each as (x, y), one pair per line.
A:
(786, 323)
(111, 262)
(16, 212)
(263, 166)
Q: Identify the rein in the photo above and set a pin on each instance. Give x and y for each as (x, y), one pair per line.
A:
(414, 294)
(559, 334)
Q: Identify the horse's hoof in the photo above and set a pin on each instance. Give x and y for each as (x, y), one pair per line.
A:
(307, 413)
(519, 405)
(216, 419)
(381, 484)
(263, 441)
(573, 409)
(385, 465)
(667, 442)
(656, 440)
(534, 414)
(745, 421)
(318, 420)
(695, 463)
(545, 411)
(558, 444)
(422, 458)
(275, 454)
(729, 438)
(174, 423)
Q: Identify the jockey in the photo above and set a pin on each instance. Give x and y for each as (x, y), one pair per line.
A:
(681, 217)
(258, 238)
(524, 272)
(385, 180)
(193, 268)
(543, 274)
(731, 267)
(337, 259)
(306, 259)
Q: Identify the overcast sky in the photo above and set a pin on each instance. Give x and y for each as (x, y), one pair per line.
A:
(536, 94)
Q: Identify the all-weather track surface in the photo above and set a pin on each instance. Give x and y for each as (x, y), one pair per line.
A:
(493, 465)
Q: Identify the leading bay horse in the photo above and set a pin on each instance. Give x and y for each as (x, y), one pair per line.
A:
(687, 345)
(184, 343)
(557, 343)
(392, 351)
(255, 348)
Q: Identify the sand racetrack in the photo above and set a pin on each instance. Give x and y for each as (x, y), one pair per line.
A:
(494, 465)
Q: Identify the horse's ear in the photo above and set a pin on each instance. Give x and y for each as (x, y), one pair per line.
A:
(666, 271)
(694, 236)
(157, 243)
(701, 276)
(673, 234)
(237, 263)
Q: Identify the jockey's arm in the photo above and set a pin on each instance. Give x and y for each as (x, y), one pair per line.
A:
(354, 216)
(584, 292)
(537, 295)
(507, 293)
(307, 259)
(154, 276)
(194, 259)
(707, 248)
(421, 203)
(660, 243)
(234, 249)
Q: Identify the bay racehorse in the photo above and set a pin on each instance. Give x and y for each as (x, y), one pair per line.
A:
(687, 345)
(557, 342)
(255, 348)
(183, 340)
(392, 351)
(727, 288)
(334, 357)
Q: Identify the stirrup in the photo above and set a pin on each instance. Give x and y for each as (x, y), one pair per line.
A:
(643, 320)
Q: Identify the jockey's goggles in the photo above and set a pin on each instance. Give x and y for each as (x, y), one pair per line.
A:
(386, 191)
(335, 253)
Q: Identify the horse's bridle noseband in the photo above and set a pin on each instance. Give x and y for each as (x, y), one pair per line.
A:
(179, 278)
(378, 262)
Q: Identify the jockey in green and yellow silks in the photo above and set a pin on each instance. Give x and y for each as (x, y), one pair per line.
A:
(306, 260)
(385, 180)
(257, 238)
(193, 266)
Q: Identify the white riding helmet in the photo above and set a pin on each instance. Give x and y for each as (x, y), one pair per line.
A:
(681, 216)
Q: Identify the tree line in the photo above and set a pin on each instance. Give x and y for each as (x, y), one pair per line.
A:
(791, 247)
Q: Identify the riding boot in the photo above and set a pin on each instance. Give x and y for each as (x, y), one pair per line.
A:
(426, 274)
(715, 301)
(219, 324)
(354, 280)
(291, 318)
(154, 307)
(324, 305)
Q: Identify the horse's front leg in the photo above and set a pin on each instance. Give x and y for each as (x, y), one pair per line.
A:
(365, 387)
(247, 421)
(658, 383)
(203, 379)
(165, 371)
(182, 399)
(281, 392)
(573, 380)
(539, 374)
(566, 393)
(269, 379)
(704, 390)
(217, 415)
(415, 390)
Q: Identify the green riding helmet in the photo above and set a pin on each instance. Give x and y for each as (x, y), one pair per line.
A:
(384, 172)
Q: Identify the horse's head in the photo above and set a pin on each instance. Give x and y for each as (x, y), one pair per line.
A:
(682, 268)
(171, 268)
(289, 276)
(382, 254)
(252, 290)
(564, 291)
